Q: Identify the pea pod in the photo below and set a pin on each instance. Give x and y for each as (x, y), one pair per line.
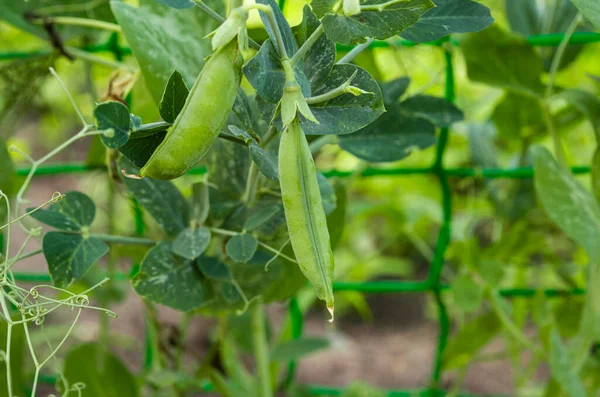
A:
(304, 213)
(198, 124)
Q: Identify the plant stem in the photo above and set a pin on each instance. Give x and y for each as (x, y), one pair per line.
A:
(124, 239)
(85, 22)
(349, 57)
(560, 52)
(558, 148)
(302, 51)
(251, 184)
(209, 11)
(269, 136)
(278, 37)
(318, 143)
(382, 6)
(86, 56)
(261, 350)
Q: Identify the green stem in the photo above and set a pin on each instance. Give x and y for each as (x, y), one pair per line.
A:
(560, 52)
(261, 350)
(318, 143)
(251, 184)
(312, 39)
(349, 57)
(382, 6)
(558, 147)
(85, 22)
(275, 26)
(209, 11)
(269, 136)
(86, 56)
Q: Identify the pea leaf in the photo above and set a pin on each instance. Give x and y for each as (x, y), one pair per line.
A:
(468, 295)
(161, 199)
(502, 60)
(448, 17)
(70, 256)
(516, 115)
(179, 4)
(438, 111)
(172, 281)
(319, 61)
(377, 24)
(590, 10)
(264, 161)
(92, 365)
(346, 113)
(240, 133)
(173, 98)
(74, 212)
(214, 269)
(562, 367)
(138, 150)
(162, 39)
(392, 137)
(259, 215)
(191, 243)
(586, 103)
(284, 27)
(394, 89)
(470, 339)
(241, 248)
(297, 348)
(113, 115)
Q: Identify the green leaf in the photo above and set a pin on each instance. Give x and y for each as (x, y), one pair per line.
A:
(376, 24)
(213, 269)
(173, 98)
(284, 27)
(240, 133)
(448, 17)
(138, 150)
(264, 161)
(590, 10)
(394, 89)
(297, 348)
(179, 4)
(563, 368)
(161, 199)
(162, 39)
(567, 202)
(587, 103)
(497, 58)
(92, 365)
(74, 212)
(172, 281)
(241, 248)
(392, 137)
(471, 338)
(258, 215)
(320, 59)
(113, 115)
(437, 110)
(468, 295)
(191, 243)
(70, 256)
(517, 115)
(346, 113)
(7, 174)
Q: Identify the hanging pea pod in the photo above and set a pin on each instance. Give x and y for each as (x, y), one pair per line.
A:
(304, 213)
(198, 124)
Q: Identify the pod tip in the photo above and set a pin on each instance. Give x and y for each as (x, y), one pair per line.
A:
(330, 308)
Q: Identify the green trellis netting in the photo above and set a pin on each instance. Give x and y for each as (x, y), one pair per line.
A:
(433, 283)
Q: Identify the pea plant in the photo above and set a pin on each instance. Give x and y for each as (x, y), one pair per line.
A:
(228, 176)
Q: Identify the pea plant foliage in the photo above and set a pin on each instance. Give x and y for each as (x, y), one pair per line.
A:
(227, 173)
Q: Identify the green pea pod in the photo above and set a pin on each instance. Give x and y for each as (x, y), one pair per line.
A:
(205, 112)
(304, 213)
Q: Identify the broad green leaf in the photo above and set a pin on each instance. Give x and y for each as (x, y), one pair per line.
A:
(173, 98)
(394, 89)
(113, 115)
(284, 28)
(241, 248)
(164, 39)
(438, 111)
(297, 348)
(70, 256)
(258, 215)
(468, 295)
(563, 367)
(179, 4)
(92, 365)
(590, 10)
(392, 137)
(482, 146)
(346, 113)
(172, 281)
(213, 269)
(161, 199)
(517, 116)
(500, 59)
(74, 212)
(240, 133)
(191, 243)
(138, 150)
(376, 24)
(320, 59)
(264, 161)
(492, 271)
(449, 16)
(7, 174)
(471, 338)
(587, 103)
(567, 202)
